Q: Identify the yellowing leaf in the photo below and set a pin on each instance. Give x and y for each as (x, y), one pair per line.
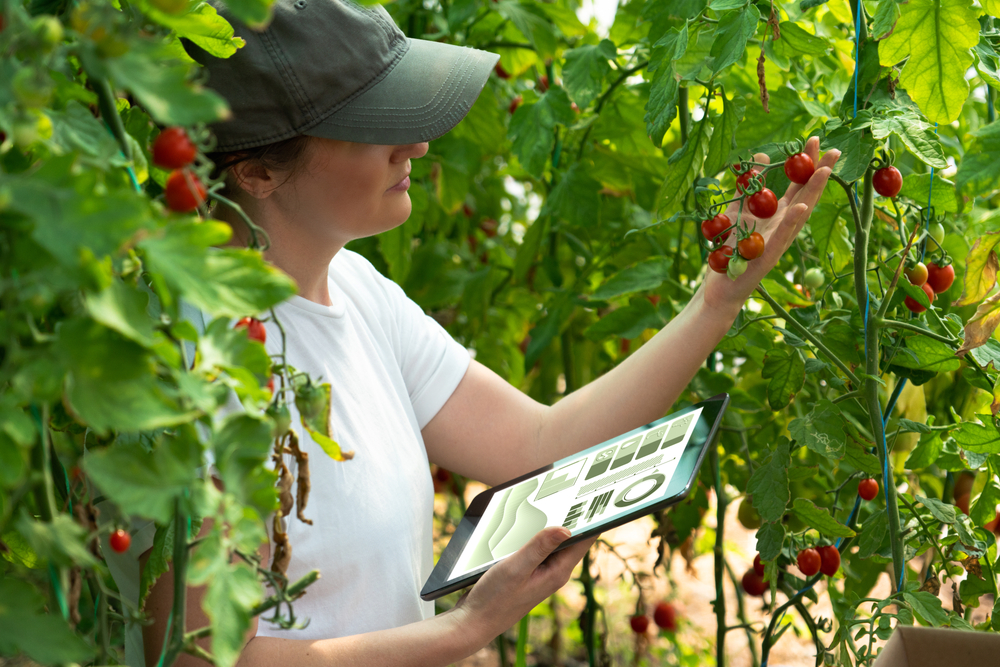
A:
(980, 328)
(938, 36)
(981, 267)
(329, 445)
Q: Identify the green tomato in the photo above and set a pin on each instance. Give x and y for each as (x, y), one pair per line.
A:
(32, 88)
(49, 31)
(747, 515)
(737, 267)
(937, 232)
(814, 278)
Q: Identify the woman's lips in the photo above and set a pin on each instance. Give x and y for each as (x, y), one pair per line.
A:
(402, 186)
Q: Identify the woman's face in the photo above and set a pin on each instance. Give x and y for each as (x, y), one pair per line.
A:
(345, 191)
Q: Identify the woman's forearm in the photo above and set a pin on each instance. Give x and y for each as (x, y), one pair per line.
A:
(639, 390)
(438, 641)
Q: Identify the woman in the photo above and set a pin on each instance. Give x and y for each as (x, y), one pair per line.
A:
(330, 105)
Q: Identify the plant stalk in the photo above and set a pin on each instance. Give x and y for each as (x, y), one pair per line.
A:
(720, 561)
(176, 640)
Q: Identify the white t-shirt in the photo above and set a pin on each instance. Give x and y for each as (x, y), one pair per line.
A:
(391, 368)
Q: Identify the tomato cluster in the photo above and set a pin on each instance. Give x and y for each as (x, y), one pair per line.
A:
(933, 278)
(173, 149)
(664, 615)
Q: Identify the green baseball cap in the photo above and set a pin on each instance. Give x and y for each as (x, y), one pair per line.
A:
(337, 70)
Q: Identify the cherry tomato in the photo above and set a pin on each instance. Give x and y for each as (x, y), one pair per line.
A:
(763, 204)
(758, 566)
(993, 524)
(543, 83)
(514, 104)
(752, 246)
(940, 278)
(172, 149)
(743, 180)
(255, 328)
(888, 181)
(937, 232)
(868, 489)
(665, 616)
(916, 274)
(913, 306)
(814, 278)
(829, 560)
(639, 624)
(489, 227)
(270, 384)
(962, 503)
(719, 258)
(120, 541)
(799, 168)
(737, 267)
(716, 229)
(809, 562)
(754, 583)
(184, 192)
(501, 72)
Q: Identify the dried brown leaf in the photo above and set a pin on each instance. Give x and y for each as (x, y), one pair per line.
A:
(980, 327)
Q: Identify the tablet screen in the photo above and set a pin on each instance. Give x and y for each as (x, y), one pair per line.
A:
(581, 492)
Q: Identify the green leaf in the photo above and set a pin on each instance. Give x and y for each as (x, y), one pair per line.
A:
(646, 275)
(918, 136)
(76, 129)
(886, 15)
(42, 635)
(925, 453)
(829, 233)
(628, 322)
(661, 106)
(225, 282)
(575, 198)
(927, 608)
(531, 128)
(61, 541)
(255, 13)
(822, 430)
(123, 309)
(225, 347)
(241, 446)
(160, 84)
(547, 328)
(981, 266)
(203, 26)
(856, 151)
(979, 170)
(943, 512)
(533, 24)
(787, 373)
(785, 121)
(585, 69)
(685, 166)
(528, 249)
(861, 459)
(723, 139)
(796, 41)
(158, 560)
(147, 483)
(820, 519)
(985, 508)
(980, 438)
(770, 538)
(927, 354)
(942, 195)
(873, 533)
(937, 36)
(731, 35)
(769, 485)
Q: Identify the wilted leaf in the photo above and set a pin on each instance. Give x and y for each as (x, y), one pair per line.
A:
(981, 266)
(980, 326)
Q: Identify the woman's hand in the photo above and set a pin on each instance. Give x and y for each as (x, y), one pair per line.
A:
(514, 586)
(722, 293)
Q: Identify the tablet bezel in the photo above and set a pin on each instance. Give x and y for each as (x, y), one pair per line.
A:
(438, 585)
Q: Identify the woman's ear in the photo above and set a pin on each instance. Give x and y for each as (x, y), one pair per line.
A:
(254, 179)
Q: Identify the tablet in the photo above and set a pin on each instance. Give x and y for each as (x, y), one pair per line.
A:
(607, 485)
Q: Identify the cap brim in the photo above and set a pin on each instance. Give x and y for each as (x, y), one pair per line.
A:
(427, 93)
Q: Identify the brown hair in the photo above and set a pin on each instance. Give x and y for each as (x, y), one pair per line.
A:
(283, 155)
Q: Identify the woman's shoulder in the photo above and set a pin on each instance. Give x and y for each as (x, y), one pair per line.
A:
(353, 272)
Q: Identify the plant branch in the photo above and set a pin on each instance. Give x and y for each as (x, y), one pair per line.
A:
(907, 326)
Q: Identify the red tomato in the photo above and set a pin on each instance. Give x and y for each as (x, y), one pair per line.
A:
(758, 566)
(993, 524)
(752, 246)
(829, 560)
(940, 278)
(515, 103)
(719, 258)
(962, 502)
(799, 168)
(743, 180)
(753, 583)
(255, 328)
(543, 83)
(270, 384)
(868, 489)
(911, 303)
(501, 72)
(763, 203)
(809, 562)
(639, 624)
(120, 541)
(654, 299)
(665, 616)
(173, 149)
(888, 181)
(183, 192)
(916, 274)
(713, 228)
(489, 227)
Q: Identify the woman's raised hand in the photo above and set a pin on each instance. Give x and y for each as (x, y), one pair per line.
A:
(514, 586)
(779, 231)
